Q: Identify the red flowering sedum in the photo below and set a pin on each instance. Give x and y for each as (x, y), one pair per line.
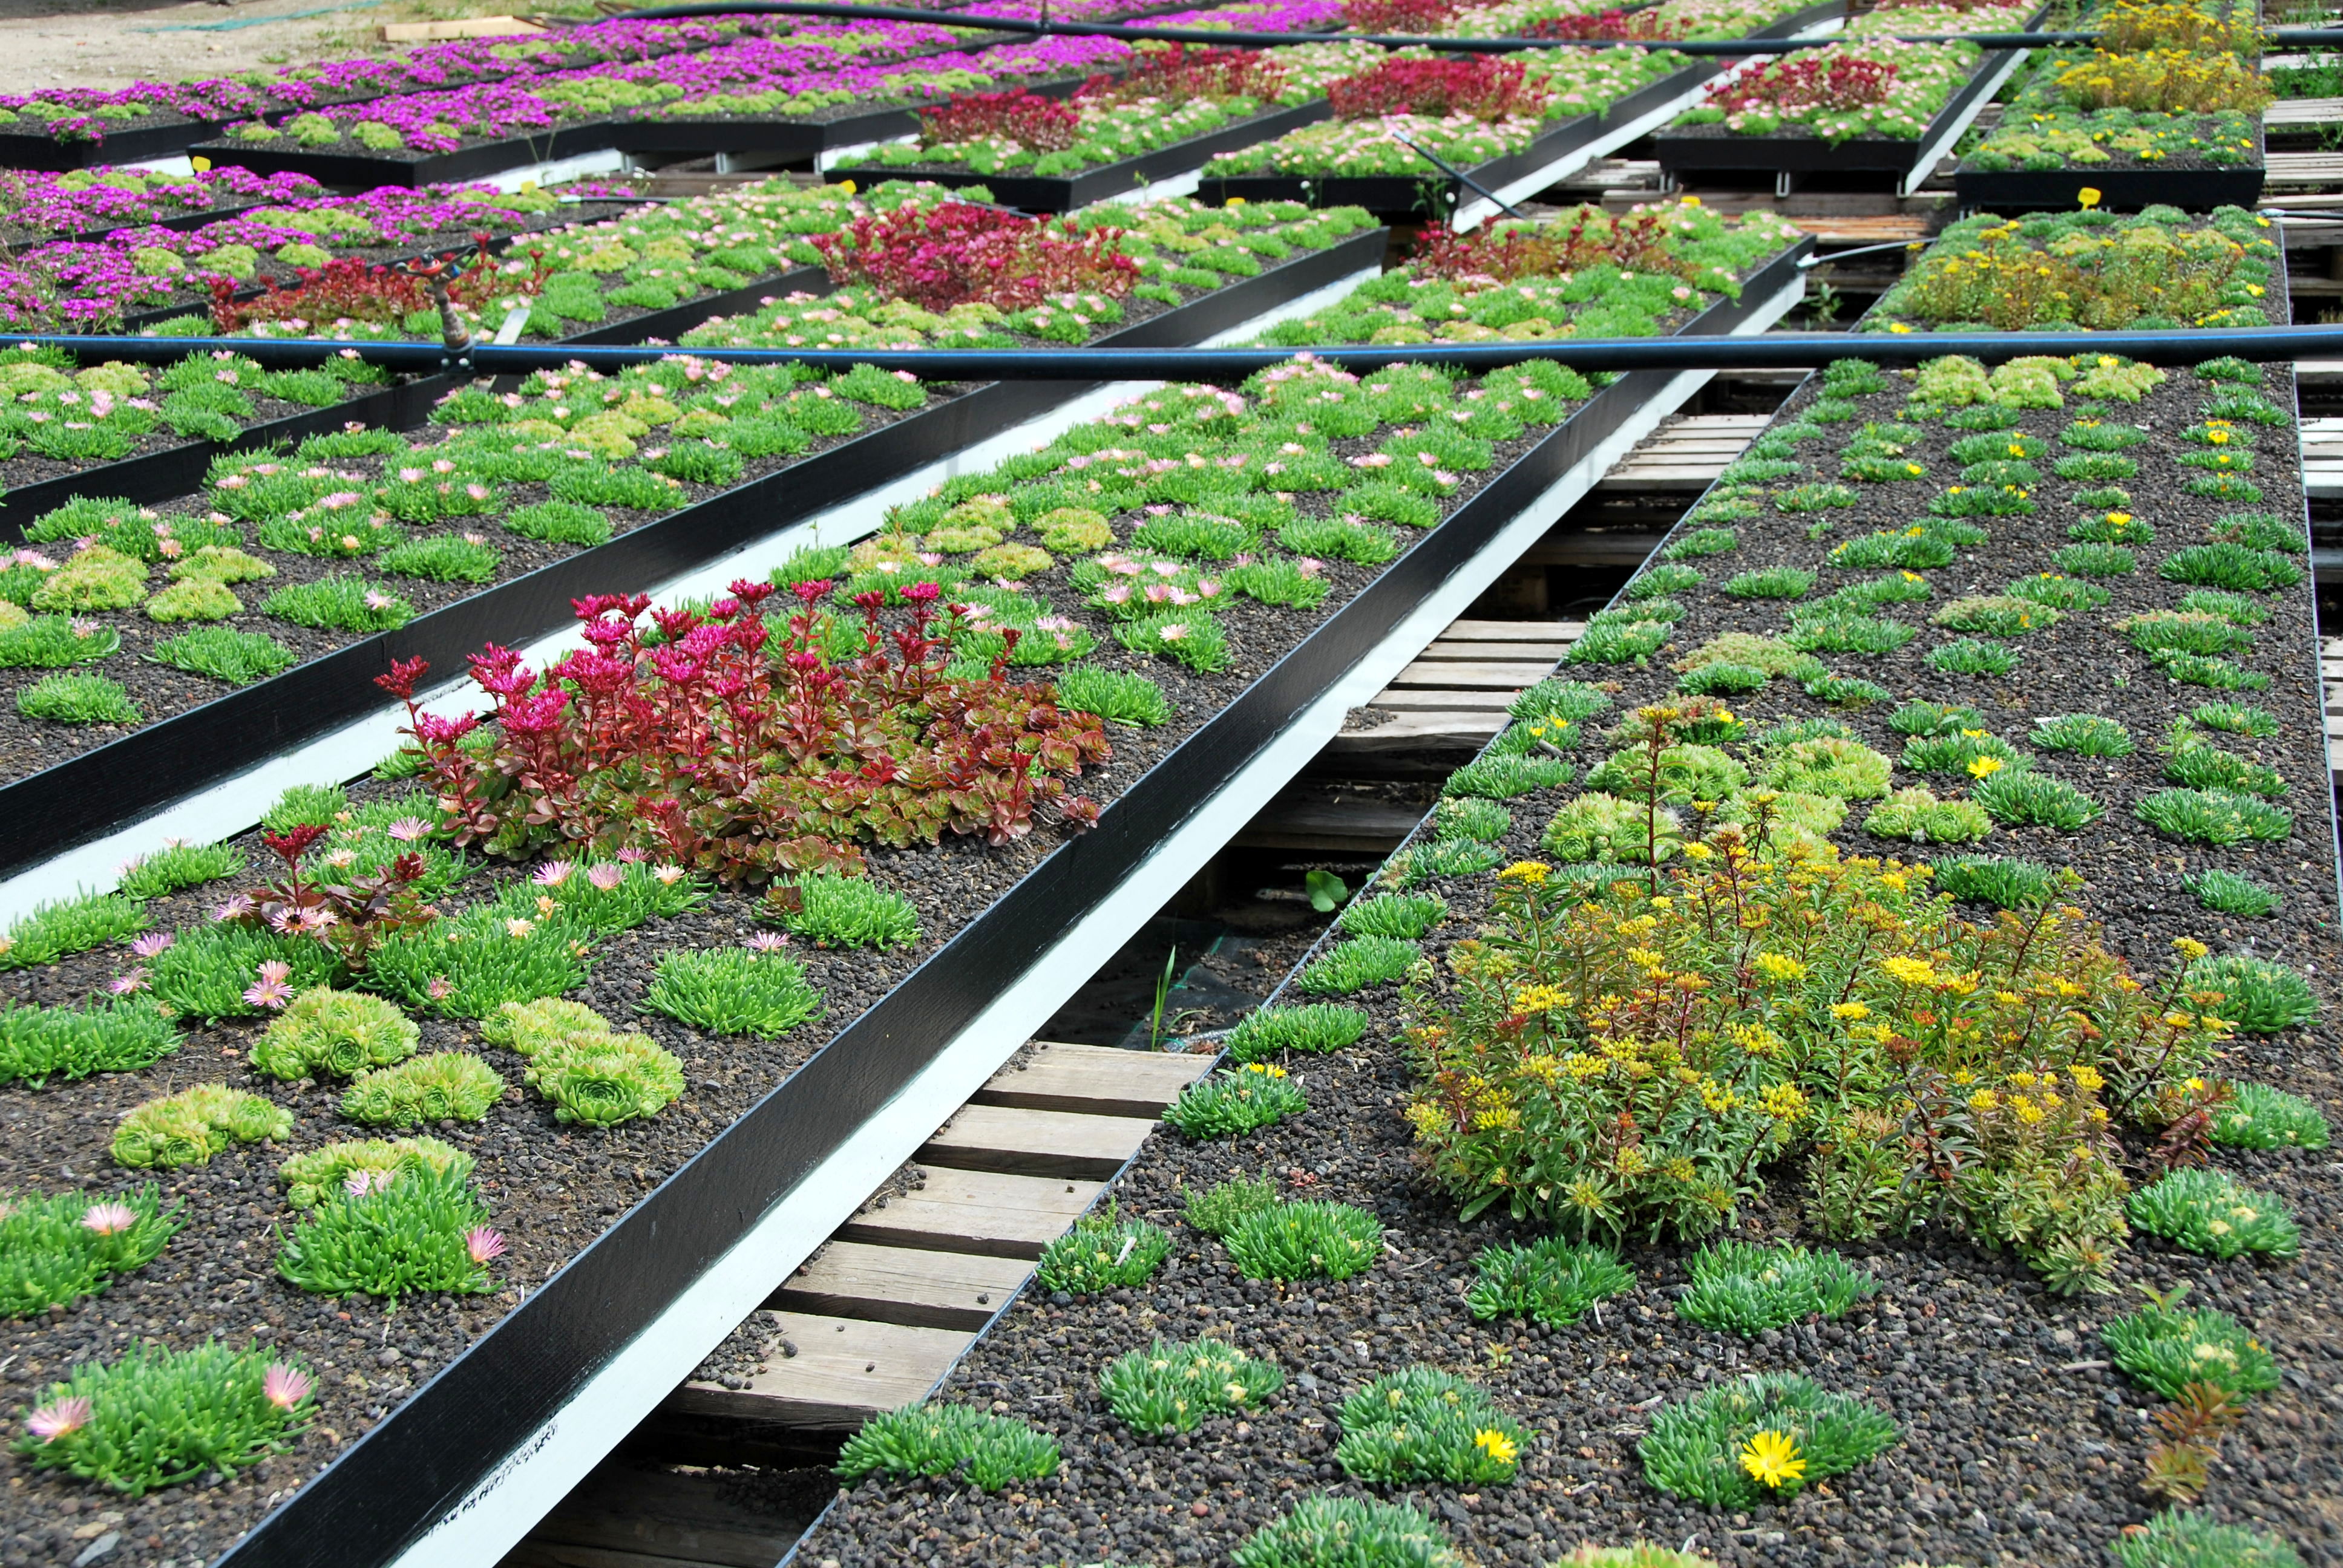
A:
(956, 253)
(1483, 87)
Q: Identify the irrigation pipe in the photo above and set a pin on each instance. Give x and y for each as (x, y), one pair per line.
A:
(1773, 351)
(1731, 48)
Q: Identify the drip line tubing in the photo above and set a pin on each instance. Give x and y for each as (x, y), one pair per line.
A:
(1729, 49)
(1773, 351)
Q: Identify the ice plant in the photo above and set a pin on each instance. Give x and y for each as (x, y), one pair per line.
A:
(54, 1420)
(285, 1386)
(272, 990)
(1772, 1460)
(483, 1244)
(109, 1219)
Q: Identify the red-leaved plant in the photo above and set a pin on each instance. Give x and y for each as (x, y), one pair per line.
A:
(349, 915)
(1635, 244)
(1614, 23)
(348, 288)
(1480, 86)
(1034, 123)
(948, 254)
(1397, 15)
(1844, 82)
(742, 755)
(1182, 74)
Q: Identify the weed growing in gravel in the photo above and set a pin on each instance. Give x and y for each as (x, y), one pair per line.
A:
(441, 1086)
(1358, 964)
(1171, 1387)
(991, 1451)
(1113, 696)
(1700, 1448)
(38, 1043)
(834, 911)
(2257, 1116)
(2178, 1539)
(733, 990)
(1306, 1241)
(2255, 995)
(78, 700)
(2215, 817)
(1406, 917)
(1315, 1027)
(74, 925)
(157, 1417)
(1103, 1254)
(1347, 1533)
(63, 1248)
(2167, 1350)
(1257, 1094)
(2017, 799)
(2211, 1212)
(1425, 1424)
(167, 870)
(238, 657)
(1749, 1289)
(310, 1177)
(1217, 1212)
(1918, 815)
(331, 1033)
(1498, 776)
(189, 1127)
(408, 1231)
(2006, 882)
(1551, 1281)
(2085, 734)
(1972, 656)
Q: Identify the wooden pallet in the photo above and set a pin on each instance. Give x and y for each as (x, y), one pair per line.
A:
(1684, 455)
(2322, 457)
(2330, 690)
(2290, 112)
(903, 1287)
(1454, 697)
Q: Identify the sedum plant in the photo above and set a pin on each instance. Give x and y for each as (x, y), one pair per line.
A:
(2255, 995)
(1918, 815)
(159, 1417)
(2209, 1212)
(54, 1251)
(2169, 1349)
(2005, 881)
(178, 866)
(1103, 1254)
(1217, 1212)
(1764, 1438)
(1256, 1095)
(1550, 1280)
(2178, 1538)
(410, 1229)
(317, 1173)
(834, 911)
(1359, 964)
(442, 1086)
(2257, 1116)
(1749, 1289)
(1313, 1240)
(333, 1033)
(68, 925)
(1402, 917)
(936, 1440)
(1323, 1532)
(190, 1127)
(1315, 1028)
(2215, 817)
(38, 1043)
(1171, 1387)
(1425, 1424)
(734, 991)
(593, 1075)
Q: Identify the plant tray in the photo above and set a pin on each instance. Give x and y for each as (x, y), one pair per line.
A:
(88, 794)
(2120, 190)
(1062, 192)
(1412, 198)
(160, 138)
(776, 139)
(473, 1427)
(367, 170)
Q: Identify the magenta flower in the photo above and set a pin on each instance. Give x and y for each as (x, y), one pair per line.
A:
(768, 942)
(152, 944)
(272, 990)
(130, 982)
(236, 909)
(52, 1421)
(285, 1386)
(607, 877)
(552, 874)
(109, 1219)
(359, 1183)
(438, 989)
(483, 1243)
(408, 829)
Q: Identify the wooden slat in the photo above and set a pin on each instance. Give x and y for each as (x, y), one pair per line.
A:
(1098, 1078)
(1491, 676)
(976, 1212)
(1420, 731)
(905, 1285)
(1332, 827)
(1441, 700)
(1478, 652)
(845, 1371)
(623, 1518)
(1035, 1143)
(1512, 630)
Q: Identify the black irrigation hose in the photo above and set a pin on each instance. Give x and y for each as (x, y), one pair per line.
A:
(1732, 48)
(1773, 351)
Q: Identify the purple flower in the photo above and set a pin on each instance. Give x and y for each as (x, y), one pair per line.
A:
(130, 980)
(607, 877)
(408, 829)
(152, 944)
(768, 942)
(552, 874)
(483, 1243)
(271, 991)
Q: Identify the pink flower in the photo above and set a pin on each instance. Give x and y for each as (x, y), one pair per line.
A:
(768, 942)
(284, 1386)
(378, 600)
(133, 979)
(552, 874)
(606, 877)
(483, 1243)
(668, 875)
(52, 1421)
(408, 829)
(109, 1219)
(438, 989)
(236, 909)
(358, 1183)
(633, 856)
(271, 991)
(152, 944)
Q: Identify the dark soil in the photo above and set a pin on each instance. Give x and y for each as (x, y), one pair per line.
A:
(2021, 1445)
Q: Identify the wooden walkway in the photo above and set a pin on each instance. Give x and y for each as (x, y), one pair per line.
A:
(878, 1316)
(1685, 454)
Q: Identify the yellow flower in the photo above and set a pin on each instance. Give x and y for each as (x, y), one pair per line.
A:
(1907, 971)
(2087, 1079)
(1264, 1068)
(1780, 968)
(1784, 1103)
(1495, 1444)
(1985, 767)
(1850, 1012)
(1772, 1460)
(2028, 1111)
(1983, 1099)
(1532, 872)
(2189, 947)
(1540, 999)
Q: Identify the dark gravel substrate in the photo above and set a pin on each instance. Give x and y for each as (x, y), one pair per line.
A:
(2021, 1446)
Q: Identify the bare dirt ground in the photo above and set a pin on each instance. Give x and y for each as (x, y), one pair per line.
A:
(113, 43)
